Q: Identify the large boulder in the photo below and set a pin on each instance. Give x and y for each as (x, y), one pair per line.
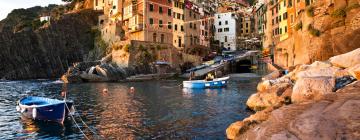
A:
(263, 86)
(260, 101)
(355, 71)
(318, 72)
(312, 88)
(271, 97)
(346, 60)
(334, 117)
(273, 75)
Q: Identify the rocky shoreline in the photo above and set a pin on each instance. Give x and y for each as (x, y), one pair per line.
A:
(317, 101)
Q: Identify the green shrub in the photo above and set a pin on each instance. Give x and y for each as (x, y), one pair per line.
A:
(339, 13)
(310, 11)
(353, 6)
(271, 2)
(142, 48)
(298, 26)
(313, 31)
(126, 47)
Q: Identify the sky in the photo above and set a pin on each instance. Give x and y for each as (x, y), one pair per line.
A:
(6, 6)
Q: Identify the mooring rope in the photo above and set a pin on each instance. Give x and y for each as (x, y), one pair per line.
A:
(76, 122)
(87, 125)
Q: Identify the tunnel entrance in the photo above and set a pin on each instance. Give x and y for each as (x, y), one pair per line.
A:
(243, 66)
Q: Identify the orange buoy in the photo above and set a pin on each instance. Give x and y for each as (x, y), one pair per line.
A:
(132, 89)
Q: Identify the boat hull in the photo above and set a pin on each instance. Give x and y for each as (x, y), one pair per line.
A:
(55, 112)
(202, 84)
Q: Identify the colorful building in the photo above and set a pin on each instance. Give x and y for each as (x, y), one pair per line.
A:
(192, 24)
(99, 4)
(178, 24)
(283, 22)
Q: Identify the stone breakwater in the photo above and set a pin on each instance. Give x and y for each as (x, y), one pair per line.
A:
(316, 101)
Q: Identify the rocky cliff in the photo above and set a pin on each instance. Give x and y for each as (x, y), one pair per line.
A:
(45, 50)
(317, 101)
(324, 29)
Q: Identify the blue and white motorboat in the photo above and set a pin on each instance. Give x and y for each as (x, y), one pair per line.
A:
(40, 108)
(202, 84)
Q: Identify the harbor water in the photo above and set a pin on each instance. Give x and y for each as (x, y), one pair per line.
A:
(155, 110)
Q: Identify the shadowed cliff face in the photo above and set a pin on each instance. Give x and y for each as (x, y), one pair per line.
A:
(48, 51)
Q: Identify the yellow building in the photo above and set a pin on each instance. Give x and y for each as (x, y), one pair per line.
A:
(283, 22)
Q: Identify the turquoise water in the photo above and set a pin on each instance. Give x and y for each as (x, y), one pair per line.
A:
(156, 110)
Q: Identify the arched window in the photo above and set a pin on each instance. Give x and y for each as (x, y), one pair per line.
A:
(162, 38)
(154, 37)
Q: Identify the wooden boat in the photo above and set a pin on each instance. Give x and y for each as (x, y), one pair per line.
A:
(202, 84)
(40, 108)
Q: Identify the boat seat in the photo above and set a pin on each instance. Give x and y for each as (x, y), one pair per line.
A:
(36, 103)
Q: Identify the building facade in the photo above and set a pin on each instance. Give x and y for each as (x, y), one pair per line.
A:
(283, 22)
(192, 24)
(226, 30)
(99, 4)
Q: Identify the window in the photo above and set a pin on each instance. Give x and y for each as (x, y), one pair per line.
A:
(169, 1)
(226, 38)
(169, 12)
(219, 22)
(151, 21)
(174, 14)
(175, 27)
(226, 22)
(206, 33)
(190, 25)
(154, 37)
(292, 18)
(280, 30)
(191, 40)
(151, 7)
(280, 18)
(178, 15)
(247, 31)
(169, 25)
(285, 16)
(247, 25)
(183, 17)
(160, 10)
(226, 30)
(160, 23)
(285, 29)
(194, 26)
(272, 21)
(284, 3)
(202, 32)
(194, 16)
(190, 13)
(182, 28)
(162, 38)
(219, 30)
(202, 22)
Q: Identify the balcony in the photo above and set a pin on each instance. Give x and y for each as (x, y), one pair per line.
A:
(136, 28)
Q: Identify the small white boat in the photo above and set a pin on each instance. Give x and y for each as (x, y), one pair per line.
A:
(202, 84)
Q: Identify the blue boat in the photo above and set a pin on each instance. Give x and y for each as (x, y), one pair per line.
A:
(40, 108)
(202, 84)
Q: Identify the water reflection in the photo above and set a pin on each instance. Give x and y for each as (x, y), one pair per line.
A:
(156, 110)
